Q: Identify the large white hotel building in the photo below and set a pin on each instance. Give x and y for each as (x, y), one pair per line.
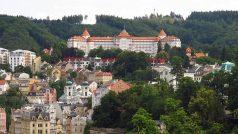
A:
(21, 57)
(123, 41)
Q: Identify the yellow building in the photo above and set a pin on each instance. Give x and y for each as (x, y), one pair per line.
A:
(30, 122)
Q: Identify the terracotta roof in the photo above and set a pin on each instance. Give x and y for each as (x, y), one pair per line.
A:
(103, 74)
(169, 38)
(100, 38)
(198, 55)
(2, 82)
(154, 60)
(119, 86)
(77, 38)
(162, 33)
(188, 50)
(85, 32)
(145, 38)
(124, 33)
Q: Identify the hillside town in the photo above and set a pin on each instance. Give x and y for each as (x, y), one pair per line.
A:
(60, 98)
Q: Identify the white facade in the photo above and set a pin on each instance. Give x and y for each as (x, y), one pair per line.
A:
(123, 41)
(21, 57)
(73, 93)
(165, 74)
(4, 55)
(3, 87)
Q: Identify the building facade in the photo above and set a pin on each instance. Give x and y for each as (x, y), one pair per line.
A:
(124, 41)
(21, 57)
(4, 55)
(3, 128)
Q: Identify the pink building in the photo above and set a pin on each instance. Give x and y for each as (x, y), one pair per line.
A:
(2, 120)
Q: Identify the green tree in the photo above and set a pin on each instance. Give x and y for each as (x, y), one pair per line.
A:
(22, 69)
(5, 67)
(179, 122)
(186, 89)
(59, 86)
(163, 55)
(208, 107)
(207, 60)
(143, 123)
(73, 74)
(128, 62)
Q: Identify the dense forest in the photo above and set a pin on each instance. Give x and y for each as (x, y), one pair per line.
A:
(213, 32)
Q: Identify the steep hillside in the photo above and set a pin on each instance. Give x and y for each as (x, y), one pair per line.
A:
(20, 32)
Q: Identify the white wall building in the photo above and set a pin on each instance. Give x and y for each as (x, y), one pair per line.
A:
(4, 55)
(123, 41)
(4, 86)
(21, 57)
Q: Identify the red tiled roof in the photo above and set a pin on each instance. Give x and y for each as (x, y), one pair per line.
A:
(198, 55)
(169, 38)
(124, 33)
(153, 60)
(85, 32)
(162, 33)
(108, 59)
(103, 74)
(2, 82)
(99, 39)
(77, 38)
(188, 50)
(119, 86)
(72, 59)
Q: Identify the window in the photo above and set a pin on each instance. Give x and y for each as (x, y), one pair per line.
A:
(46, 125)
(40, 132)
(33, 125)
(39, 125)
(33, 131)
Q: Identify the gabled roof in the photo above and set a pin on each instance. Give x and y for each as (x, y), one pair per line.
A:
(3, 82)
(124, 33)
(162, 33)
(85, 32)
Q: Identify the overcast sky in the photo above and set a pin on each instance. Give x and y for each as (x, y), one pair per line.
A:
(124, 8)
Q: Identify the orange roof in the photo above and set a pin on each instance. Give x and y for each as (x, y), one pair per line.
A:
(85, 32)
(145, 38)
(77, 38)
(162, 33)
(2, 82)
(124, 33)
(100, 38)
(119, 86)
(188, 50)
(198, 55)
(103, 74)
(169, 38)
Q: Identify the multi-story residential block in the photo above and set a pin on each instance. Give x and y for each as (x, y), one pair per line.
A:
(30, 120)
(75, 124)
(21, 57)
(44, 95)
(123, 41)
(4, 56)
(3, 128)
(4, 86)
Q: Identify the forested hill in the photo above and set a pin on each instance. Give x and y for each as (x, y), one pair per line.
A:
(210, 31)
(21, 32)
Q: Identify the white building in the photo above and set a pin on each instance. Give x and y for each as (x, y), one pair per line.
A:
(21, 57)
(3, 86)
(4, 55)
(74, 94)
(165, 74)
(123, 41)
